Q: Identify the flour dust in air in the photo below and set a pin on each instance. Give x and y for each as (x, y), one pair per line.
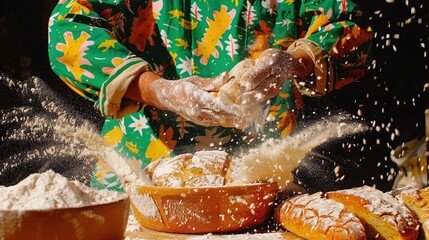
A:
(40, 130)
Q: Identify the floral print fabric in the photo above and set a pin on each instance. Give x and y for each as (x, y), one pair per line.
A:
(98, 47)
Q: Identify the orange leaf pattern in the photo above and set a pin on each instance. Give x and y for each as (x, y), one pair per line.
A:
(91, 40)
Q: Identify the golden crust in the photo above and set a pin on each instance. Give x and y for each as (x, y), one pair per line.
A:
(381, 213)
(417, 200)
(315, 217)
(204, 168)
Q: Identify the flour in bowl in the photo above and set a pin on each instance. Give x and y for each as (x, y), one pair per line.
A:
(50, 190)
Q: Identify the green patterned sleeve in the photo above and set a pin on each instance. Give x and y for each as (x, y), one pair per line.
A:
(86, 53)
(336, 35)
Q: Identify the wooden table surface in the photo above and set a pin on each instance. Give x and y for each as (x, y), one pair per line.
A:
(144, 234)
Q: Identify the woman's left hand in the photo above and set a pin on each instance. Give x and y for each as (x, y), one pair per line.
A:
(266, 78)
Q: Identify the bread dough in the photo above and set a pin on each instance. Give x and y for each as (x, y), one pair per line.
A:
(233, 88)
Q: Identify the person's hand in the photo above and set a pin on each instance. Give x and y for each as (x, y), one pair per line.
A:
(262, 79)
(230, 91)
(195, 99)
(265, 79)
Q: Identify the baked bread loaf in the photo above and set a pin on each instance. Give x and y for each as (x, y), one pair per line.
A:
(316, 217)
(417, 200)
(384, 217)
(204, 168)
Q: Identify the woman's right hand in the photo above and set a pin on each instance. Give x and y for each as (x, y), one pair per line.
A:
(194, 98)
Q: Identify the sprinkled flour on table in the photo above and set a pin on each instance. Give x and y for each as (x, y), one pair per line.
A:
(50, 190)
(254, 236)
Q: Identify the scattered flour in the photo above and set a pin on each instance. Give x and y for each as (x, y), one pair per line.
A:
(250, 236)
(384, 205)
(97, 149)
(144, 203)
(132, 225)
(274, 160)
(51, 123)
(50, 190)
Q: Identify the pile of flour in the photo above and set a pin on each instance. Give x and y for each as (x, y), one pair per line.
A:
(50, 190)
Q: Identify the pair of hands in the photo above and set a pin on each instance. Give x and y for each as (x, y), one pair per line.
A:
(229, 101)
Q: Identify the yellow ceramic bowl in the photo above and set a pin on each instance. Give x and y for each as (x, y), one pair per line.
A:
(103, 221)
(203, 210)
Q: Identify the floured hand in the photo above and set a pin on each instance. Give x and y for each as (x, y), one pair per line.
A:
(233, 89)
(195, 99)
(235, 86)
(253, 82)
(266, 78)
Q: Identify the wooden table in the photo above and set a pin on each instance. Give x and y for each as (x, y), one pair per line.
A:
(144, 234)
(135, 231)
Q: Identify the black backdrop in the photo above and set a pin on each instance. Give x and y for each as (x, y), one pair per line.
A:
(23, 50)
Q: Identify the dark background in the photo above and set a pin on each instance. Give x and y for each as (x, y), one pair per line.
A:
(24, 51)
(23, 38)
(23, 56)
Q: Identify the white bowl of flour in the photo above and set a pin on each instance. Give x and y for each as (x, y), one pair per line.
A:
(49, 206)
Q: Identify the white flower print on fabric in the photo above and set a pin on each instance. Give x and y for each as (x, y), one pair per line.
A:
(249, 15)
(232, 46)
(165, 40)
(286, 22)
(122, 126)
(271, 7)
(139, 124)
(186, 65)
